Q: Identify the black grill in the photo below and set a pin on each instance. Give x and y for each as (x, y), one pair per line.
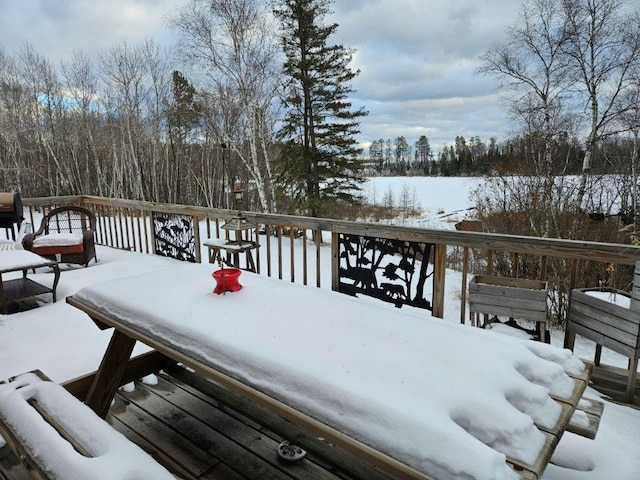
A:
(10, 211)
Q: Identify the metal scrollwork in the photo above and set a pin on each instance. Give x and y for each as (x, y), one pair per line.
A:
(174, 236)
(394, 271)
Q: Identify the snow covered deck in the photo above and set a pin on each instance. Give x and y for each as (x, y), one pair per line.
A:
(59, 339)
(396, 385)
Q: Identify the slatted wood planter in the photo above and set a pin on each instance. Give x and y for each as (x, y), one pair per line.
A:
(517, 298)
(609, 325)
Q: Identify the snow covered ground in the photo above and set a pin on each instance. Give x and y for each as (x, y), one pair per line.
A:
(63, 342)
(442, 201)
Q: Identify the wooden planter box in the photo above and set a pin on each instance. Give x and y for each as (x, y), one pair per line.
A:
(607, 324)
(516, 298)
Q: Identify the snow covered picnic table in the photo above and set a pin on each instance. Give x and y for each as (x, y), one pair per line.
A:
(417, 396)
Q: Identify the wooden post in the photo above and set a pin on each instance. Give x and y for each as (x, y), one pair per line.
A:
(569, 337)
(196, 238)
(465, 270)
(318, 241)
(304, 257)
(279, 237)
(335, 260)
(292, 240)
(152, 233)
(439, 274)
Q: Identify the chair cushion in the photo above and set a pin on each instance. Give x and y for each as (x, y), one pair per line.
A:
(54, 243)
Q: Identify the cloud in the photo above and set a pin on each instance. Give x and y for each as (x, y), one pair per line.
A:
(417, 58)
(57, 27)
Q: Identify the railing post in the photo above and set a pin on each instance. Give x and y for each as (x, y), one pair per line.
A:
(335, 261)
(439, 273)
(465, 271)
(318, 242)
(196, 238)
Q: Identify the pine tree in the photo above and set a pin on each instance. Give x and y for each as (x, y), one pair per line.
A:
(183, 115)
(319, 166)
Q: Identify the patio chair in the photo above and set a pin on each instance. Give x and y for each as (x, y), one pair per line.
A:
(66, 234)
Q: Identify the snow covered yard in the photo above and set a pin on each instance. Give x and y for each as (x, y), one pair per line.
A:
(63, 342)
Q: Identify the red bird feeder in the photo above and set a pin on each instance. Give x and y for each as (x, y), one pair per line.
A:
(226, 280)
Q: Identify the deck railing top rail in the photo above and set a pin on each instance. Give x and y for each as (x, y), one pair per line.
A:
(553, 247)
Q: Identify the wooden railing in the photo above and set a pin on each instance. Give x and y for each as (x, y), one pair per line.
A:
(127, 224)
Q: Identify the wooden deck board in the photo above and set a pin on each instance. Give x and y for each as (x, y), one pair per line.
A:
(218, 433)
(346, 465)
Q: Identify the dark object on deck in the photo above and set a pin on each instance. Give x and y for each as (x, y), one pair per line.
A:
(534, 333)
(70, 220)
(469, 226)
(10, 211)
(290, 452)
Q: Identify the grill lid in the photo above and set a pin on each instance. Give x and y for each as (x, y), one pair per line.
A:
(7, 202)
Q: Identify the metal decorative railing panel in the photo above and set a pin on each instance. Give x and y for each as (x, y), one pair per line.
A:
(394, 271)
(174, 236)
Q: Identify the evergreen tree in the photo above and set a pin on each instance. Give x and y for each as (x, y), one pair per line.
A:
(423, 152)
(376, 153)
(183, 116)
(401, 153)
(319, 167)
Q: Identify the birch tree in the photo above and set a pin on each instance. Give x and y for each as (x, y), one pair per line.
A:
(530, 63)
(604, 47)
(233, 44)
(124, 77)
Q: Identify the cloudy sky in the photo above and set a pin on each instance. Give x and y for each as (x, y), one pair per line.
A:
(417, 57)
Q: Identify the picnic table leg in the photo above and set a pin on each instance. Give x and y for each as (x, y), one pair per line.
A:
(598, 355)
(110, 373)
(569, 338)
(631, 380)
(56, 279)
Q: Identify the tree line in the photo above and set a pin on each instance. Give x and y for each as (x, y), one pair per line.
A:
(254, 95)
(474, 157)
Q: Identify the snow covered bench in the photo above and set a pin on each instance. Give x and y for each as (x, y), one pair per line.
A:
(57, 437)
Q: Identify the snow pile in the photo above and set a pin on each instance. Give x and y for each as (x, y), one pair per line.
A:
(17, 259)
(58, 240)
(446, 399)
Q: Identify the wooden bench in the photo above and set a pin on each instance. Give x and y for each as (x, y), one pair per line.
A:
(516, 298)
(608, 325)
(58, 438)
